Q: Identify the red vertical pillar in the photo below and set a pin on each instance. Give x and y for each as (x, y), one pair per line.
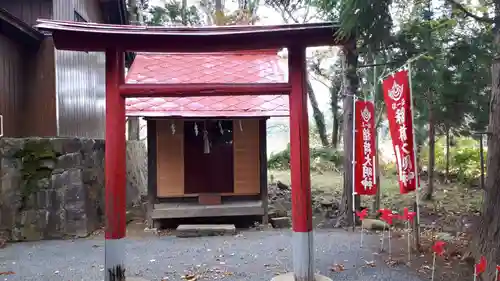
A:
(115, 168)
(302, 240)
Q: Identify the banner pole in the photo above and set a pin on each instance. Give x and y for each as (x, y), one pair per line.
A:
(354, 98)
(417, 180)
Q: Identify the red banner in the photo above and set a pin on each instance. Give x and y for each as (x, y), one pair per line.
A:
(364, 137)
(397, 98)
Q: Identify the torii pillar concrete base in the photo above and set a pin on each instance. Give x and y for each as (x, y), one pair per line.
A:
(291, 277)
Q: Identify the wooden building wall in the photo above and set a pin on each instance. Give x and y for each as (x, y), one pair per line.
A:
(27, 89)
(11, 86)
(166, 166)
(40, 94)
(28, 10)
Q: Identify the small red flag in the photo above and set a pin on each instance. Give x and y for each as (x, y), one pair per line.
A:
(386, 215)
(481, 266)
(409, 216)
(438, 248)
(389, 218)
(362, 215)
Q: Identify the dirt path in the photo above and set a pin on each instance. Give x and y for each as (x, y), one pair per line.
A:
(250, 255)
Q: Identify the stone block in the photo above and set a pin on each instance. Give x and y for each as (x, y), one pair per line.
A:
(9, 146)
(71, 145)
(7, 217)
(43, 183)
(55, 227)
(48, 164)
(76, 223)
(197, 230)
(90, 176)
(31, 226)
(57, 181)
(42, 199)
(77, 229)
(69, 161)
(11, 166)
(372, 224)
(10, 189)
(87, 145)
(282, 222)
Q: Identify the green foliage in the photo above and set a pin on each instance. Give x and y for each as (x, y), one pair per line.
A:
(465, 163)
(172, 14)
(322, 159)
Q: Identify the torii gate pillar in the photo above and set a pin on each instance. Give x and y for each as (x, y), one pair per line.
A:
(115, 168)
(302, 237)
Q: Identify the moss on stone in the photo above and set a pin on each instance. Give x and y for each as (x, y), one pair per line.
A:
(38, 159)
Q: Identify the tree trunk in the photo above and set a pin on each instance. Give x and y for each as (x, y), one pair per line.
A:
(447, 170)
(219, 12)
(184, 13)
(376, 202)
(351, 88)
(335, 132)
(318, 116)
(340, 129)
(488, 238)
(133, 128)
(335, 116)
(133, 11)
(432, 149)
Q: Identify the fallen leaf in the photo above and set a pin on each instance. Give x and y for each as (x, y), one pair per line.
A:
(7, 273)
(370, 263)
(337, 268)
(190, 277)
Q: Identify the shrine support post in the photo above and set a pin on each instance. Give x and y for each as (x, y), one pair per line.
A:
(302, 239)
(115, 168)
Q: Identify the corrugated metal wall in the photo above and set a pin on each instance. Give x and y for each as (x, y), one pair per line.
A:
(80, 78)
(11, 86)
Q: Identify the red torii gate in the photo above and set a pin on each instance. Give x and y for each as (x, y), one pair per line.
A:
(114, 40)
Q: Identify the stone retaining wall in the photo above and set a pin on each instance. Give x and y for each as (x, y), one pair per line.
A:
(53, 188)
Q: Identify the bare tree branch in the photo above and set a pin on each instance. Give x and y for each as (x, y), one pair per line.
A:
(320, 81)
(470, 14)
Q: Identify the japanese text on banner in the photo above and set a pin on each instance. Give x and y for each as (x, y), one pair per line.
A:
(364, 137)
(397, 98)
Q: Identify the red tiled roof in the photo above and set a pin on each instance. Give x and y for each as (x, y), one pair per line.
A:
(228, 67)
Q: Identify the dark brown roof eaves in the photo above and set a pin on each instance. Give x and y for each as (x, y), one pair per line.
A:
(97, 37)
(19, 31)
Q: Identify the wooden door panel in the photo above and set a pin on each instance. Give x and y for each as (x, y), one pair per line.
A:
(170, 158)
(246, 156)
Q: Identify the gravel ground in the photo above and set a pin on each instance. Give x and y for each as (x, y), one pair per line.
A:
(250, 255)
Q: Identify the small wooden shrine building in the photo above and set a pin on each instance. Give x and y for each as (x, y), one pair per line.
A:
(207, 155)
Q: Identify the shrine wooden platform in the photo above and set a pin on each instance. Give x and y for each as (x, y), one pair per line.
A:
(194, 209)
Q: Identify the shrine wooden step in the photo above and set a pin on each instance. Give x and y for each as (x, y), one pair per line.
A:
(198, 230)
